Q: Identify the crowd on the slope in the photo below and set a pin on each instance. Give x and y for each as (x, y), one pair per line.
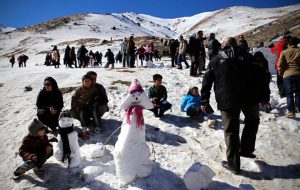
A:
(240, 81)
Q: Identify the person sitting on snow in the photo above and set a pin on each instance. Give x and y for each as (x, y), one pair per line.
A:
(191, 103)
(49, 104)
(158, 95)
(35, 150)
(81, 104)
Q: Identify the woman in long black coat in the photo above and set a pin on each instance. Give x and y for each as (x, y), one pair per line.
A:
(49, 104)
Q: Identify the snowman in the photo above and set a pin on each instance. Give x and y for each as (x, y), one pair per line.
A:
(67, 146)
(131, 153)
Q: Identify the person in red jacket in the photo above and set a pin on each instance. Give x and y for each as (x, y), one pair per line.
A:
(277, 49)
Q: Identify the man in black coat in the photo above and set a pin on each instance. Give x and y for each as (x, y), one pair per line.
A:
(213, 46)
(173, 49)
(81, 55)
(197, 53)
(239, 86)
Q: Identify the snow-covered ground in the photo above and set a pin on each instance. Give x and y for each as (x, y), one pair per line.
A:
(175, 141)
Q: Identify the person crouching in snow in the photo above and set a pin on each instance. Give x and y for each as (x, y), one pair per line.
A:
(158, 95)
(35, 149)
(191, 103)
(67, 146)
(131, 153)
(81, 107)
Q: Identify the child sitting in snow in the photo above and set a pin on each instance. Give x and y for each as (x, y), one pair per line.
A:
(191, 103)
(35, 150)
(67, 146)
(158, 95)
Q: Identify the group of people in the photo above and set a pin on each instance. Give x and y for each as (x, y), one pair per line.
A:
(22, 59)
(130, 53)
(241, 83)
(89, 101)
(288, 71)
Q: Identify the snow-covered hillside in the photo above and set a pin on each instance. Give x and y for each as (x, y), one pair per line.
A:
(175, 141)
(6, 28)
(93, 28)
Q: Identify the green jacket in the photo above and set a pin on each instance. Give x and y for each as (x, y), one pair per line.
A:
(160, 93)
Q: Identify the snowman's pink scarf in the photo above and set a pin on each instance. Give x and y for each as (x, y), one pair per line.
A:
(138, 110)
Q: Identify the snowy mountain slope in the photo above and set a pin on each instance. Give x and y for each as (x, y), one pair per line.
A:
(6, 28)
(176, 142)
(236, 20)
(95, 28)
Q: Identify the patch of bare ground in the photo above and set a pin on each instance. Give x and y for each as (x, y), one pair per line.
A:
(53, 23)
(66, 90)
(126, 83)
(89, 41)
(13, 52)
(273, 30)
(125, 71)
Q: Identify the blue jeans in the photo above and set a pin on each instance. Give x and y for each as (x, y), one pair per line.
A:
(182, 58)
(292, 86)
(131, 60)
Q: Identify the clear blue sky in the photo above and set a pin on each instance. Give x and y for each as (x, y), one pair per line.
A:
(20, 13)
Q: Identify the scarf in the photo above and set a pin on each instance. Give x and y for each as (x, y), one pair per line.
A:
(65, 140)
(138, 110)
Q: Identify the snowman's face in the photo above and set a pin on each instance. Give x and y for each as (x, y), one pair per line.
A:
(135, 98)
(65, 122)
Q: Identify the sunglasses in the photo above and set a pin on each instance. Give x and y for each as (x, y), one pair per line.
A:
(47, 84)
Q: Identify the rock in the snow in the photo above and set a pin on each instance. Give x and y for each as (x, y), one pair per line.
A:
(91, 172)
(28, 88)
(198, 176)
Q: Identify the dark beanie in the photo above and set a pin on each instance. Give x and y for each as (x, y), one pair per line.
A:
(65, 113)
(35, 126)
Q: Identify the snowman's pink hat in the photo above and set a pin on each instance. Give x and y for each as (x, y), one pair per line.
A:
(135, 87)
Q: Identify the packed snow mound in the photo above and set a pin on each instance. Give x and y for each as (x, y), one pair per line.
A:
(91, 172)
(91, 151)
(198, 176)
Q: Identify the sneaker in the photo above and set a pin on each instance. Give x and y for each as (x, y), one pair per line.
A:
(17, 175)
(247, 155)
(231, 169)
(290, 114)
